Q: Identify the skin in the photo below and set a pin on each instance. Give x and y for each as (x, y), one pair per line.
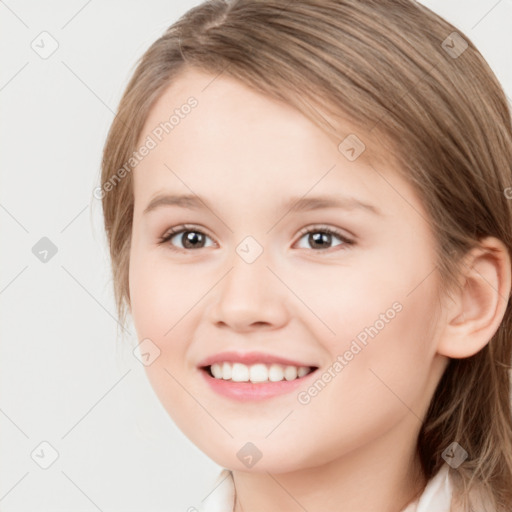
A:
(353, 446)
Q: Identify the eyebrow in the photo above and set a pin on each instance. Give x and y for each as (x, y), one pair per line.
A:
(293, 204)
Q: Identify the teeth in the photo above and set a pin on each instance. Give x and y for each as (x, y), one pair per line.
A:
(257, 373)
(238, 372)
(226, 371)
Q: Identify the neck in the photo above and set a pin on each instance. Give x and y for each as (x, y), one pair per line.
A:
(383, 476)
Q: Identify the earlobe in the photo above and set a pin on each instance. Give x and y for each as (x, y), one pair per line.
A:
(478, 307)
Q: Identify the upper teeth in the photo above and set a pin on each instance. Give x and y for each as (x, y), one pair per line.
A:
(239, 372)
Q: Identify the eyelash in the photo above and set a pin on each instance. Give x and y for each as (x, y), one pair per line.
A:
(313, 229)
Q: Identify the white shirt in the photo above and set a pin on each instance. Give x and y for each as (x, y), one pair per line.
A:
(437, 495)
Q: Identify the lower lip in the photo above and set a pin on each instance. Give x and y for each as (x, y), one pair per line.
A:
(245, 391)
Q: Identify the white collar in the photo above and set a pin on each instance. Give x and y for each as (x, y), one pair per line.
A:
(436, 496)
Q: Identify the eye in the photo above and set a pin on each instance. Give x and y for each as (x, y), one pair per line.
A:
(190, 237)
(321, 236)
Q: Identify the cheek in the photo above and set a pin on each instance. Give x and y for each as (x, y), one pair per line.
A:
(166, 301)
(377, 383)
(383, 318)
(163, 301)
(162, 294)
(385, 347)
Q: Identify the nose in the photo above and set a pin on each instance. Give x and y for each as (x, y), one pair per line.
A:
(249, 297)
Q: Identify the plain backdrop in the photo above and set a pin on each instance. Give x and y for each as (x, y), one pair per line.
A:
(65, 381)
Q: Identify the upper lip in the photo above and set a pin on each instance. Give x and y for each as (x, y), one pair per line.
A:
(249, 358)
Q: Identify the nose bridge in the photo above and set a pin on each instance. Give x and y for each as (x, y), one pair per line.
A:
(249, 276)
(250, 292)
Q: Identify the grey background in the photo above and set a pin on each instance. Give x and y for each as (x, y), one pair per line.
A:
(64, 379)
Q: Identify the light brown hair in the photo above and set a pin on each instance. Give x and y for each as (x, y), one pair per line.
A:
(386, 67)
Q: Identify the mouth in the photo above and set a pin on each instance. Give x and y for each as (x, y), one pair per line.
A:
(256, 382)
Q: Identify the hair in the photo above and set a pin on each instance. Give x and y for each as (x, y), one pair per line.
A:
(384, 67)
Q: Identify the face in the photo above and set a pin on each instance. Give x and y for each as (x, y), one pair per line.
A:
(344, 286)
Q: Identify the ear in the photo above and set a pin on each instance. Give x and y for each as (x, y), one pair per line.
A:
(477, 309)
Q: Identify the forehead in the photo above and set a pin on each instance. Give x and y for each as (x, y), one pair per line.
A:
(248, 145)
(223, 104)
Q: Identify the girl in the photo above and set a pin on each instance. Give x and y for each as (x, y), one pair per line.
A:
(308, 208)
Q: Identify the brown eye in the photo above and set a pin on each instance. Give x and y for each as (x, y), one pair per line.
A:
(322, 237)
(189, 238)
(192, 239)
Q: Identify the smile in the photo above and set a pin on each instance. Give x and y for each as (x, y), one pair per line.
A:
(254, 382)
